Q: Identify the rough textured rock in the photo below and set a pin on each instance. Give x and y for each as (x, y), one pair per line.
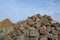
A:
(6, 23)
(36, 27)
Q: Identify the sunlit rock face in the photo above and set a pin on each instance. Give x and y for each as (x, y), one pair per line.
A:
(36, 27)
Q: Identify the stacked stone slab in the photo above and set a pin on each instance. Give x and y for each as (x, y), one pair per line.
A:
(36, 27)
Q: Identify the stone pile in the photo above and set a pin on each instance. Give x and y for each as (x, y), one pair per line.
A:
(36, 27)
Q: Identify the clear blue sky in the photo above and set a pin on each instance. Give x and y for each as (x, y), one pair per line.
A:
(17, 10)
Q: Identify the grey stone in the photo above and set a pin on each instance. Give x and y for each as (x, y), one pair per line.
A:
(21, 37)
(56, 37)
(30, 28)
(43, 31)
(43, 37)
(8, 30)
(44, 27)
(15, 37)
(18, 32)
(53, 30)
(34, 33)
(7, 38)
(50, 35)
(48, 28)
(36, 27)
(27, 38)
(26, 32)
(32, 38)
(2, 34)
(22, 27)
(13, 33)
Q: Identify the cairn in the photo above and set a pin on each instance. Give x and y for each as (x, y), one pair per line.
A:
(36, 27)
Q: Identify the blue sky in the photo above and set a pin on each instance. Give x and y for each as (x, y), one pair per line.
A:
(17, 10)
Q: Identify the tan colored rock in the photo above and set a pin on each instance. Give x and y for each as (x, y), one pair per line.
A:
(44, 32)
(30, 28)
(5, 23)
(43, 37)
(30, 21)
(0, 24)
(16, 26)
(52, 22)
(44, 27)
(34, 33)
(22, 27)
(34, 17)
(38, 25)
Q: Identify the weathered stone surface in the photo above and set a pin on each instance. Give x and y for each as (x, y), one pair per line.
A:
(32, 38)
(52, 22)
(43, 37)
(34, 33)
(21, 37)
(26, 38)
(30, 28)
(26, 32)
(7, 38)
(9, 29)
(30, 21)
(50, 35)
(16, 26)
(48, 29)
(44, 32)
(22, 27)
(6, 23)
(36, 27)
(18, 32)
